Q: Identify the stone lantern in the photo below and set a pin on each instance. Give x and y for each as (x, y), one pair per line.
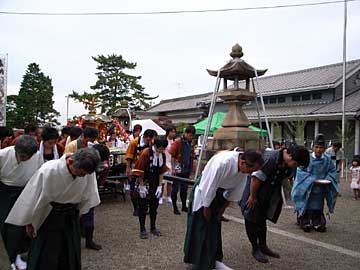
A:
(235, 131)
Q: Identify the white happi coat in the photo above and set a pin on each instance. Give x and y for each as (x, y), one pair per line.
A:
(221, 171)
(53, 183)
(14, 173)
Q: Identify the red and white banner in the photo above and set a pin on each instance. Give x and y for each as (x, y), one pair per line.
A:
(3, 89)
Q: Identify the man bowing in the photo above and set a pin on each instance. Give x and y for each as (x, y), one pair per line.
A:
(222, 181)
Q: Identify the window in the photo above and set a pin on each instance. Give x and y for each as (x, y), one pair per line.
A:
(316, 96)
(295, 98)
(273, 100)
(281, 99)
(266, 101)
(306, 97)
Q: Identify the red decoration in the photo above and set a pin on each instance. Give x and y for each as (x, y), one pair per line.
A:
(122, 130)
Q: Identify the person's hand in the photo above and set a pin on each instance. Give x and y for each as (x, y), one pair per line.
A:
(222, 211)
(158, 192)
(251, 202)
(207, 213)
(30, 231)
(173, 172)
(128, 172)
(143, 191)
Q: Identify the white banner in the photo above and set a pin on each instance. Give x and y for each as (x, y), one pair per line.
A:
(3, 89)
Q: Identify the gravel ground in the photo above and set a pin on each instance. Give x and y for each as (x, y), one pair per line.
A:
(117, 231)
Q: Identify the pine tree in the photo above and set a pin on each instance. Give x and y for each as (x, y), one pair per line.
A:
(34, 104)
(11, 115)
(114, 85)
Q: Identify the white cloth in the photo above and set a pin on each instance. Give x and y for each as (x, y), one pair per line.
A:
(355, 176)
(41, 150)
(68, 140)
(143, 191)
(167, 154)
(13, 173)
(221, 171)
(339, 155)
(53, 183)
(157, 158)
(118, 143)
(158, 192)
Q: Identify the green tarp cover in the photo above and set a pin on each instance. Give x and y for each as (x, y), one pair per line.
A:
(217, 119)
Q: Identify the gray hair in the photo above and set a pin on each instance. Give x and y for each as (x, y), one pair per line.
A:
(26, 145)
(86, 159)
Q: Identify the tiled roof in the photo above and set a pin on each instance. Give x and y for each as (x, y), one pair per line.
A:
(352, 104)
(181, 103)
(301, 80)
(312, 78)
(288, 111)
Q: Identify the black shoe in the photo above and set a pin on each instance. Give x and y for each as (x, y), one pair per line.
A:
(320, 229)
(184, 209)
(306, 228)
(177, 212)
(135, 213)
(267, 251)
(259, 256)
(92, 245)
(156, 232)
(143, 235)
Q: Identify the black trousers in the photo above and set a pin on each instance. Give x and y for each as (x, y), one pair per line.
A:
(203, 240)
(14, 237)
(133, 194)
(256, 232)
(87, 223)
(144, 204)
(183, 192)
(57, 245)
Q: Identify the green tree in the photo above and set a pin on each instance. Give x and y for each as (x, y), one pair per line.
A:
(113, 85)
(297, 129)
(34, 104)
(349, 137)
(11, 115)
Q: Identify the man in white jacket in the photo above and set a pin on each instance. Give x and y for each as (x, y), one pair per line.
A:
(50, 206)
(17, 165)
(223, 181)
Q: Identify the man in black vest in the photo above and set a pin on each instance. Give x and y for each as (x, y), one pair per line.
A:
(262, 195)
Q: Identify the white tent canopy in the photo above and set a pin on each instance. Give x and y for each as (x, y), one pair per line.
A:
(148, 124)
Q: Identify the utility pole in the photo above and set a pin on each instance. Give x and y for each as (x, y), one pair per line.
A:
(67, 108)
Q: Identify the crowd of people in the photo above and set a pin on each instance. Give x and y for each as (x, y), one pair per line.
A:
(48, 191)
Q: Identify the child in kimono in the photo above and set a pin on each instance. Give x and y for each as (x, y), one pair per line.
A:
(150, 167)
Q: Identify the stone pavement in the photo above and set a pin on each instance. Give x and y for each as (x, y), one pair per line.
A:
(117, 230)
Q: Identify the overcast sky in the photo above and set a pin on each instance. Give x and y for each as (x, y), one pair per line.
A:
(171, 51)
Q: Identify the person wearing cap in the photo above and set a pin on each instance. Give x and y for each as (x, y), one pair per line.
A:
(313, 185)
(262, 198)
